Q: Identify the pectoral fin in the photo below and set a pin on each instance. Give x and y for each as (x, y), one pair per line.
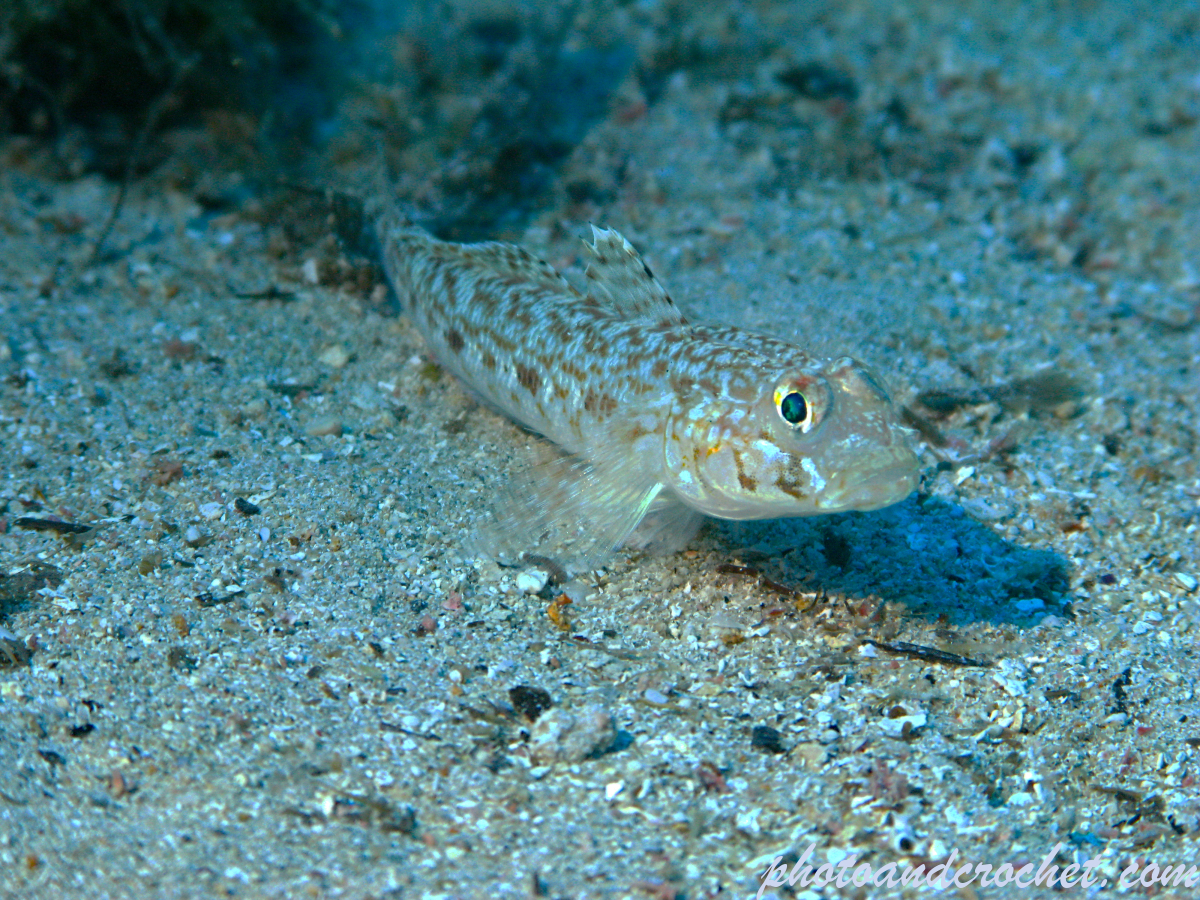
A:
(567, 510)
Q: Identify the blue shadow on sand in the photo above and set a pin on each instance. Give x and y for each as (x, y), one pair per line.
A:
(925, 553)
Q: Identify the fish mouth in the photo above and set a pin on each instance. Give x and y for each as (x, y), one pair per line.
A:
(889, 480)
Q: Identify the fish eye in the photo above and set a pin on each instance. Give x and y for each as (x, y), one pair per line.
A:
(795, 409)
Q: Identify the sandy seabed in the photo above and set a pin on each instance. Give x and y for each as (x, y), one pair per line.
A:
(243, 652)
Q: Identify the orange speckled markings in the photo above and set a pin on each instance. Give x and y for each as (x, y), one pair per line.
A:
(652, 413)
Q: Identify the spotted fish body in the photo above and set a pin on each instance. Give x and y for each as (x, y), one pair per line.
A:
(653, 412)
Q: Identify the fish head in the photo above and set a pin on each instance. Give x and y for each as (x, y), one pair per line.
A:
(815, 439)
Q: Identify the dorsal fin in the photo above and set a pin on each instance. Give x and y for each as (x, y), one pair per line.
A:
(619, 279)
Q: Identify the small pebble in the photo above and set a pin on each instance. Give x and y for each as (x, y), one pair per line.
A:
(530, 701)
(335, 356)
(828, 736)
(324, 425)
(560, 736)
(1188, 582)
(747, 822)
(255, 409)
(245, 507)
(531, 581)
(903, 726)
(767, 739)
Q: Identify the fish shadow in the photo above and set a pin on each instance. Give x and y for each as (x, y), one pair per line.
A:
(925, 553)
